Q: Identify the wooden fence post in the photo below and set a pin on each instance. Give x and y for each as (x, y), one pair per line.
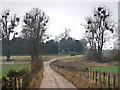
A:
(15, 83)
(22, 82)
(90, 73)
(108, 82)
(114, 78)
(93, 75)
(96, 76)
(104, 78)
(99, 76)
(11, 81)
(19, 83)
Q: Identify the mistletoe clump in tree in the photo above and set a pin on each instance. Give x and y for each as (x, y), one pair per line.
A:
(96, 28)
(7, 25)
(34, 31)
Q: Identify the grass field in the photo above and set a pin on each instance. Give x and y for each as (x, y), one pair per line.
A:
(22, 58)
(28, 58)
(80, 62)
(107, 68)
(21, 62)
(17, 67)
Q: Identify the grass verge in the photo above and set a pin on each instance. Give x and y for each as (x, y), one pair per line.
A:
(77, 80)
(36, 81)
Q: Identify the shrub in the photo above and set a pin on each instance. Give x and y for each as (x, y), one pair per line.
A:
(114, 55)
(27, 74)
(37, 64)
(91, 55)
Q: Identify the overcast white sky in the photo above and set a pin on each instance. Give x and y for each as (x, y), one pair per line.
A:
(62, 14)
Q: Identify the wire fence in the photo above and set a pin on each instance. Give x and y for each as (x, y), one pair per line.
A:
(17, 80)
(109, 79)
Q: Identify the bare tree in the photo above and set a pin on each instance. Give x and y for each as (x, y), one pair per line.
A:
(57, 40)
(65, 34)
(36, 23)
(119, 34)
(96, 28)
(7, 25)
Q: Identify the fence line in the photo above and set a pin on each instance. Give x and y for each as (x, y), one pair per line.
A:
(15, 81)
(18, 80)
(111, 80)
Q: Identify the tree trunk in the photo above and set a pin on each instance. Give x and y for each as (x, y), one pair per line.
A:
(8, 50)
(32, 57)
(8, 56)
(99, 58)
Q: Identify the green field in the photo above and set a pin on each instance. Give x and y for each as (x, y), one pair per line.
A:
(7, 67)
(80, 62)
(16, 67)
(107, 68)
(110, 69)
(21, 62)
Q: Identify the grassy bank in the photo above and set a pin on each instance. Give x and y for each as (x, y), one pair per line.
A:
(80, 62)
(36, 81)
(77, 80)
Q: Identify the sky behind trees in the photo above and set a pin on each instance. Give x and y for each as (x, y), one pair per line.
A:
(62, 14)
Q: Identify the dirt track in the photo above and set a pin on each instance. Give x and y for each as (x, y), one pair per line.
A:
(52, 79)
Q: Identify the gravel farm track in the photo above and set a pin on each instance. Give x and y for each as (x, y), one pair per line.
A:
(52, 79)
